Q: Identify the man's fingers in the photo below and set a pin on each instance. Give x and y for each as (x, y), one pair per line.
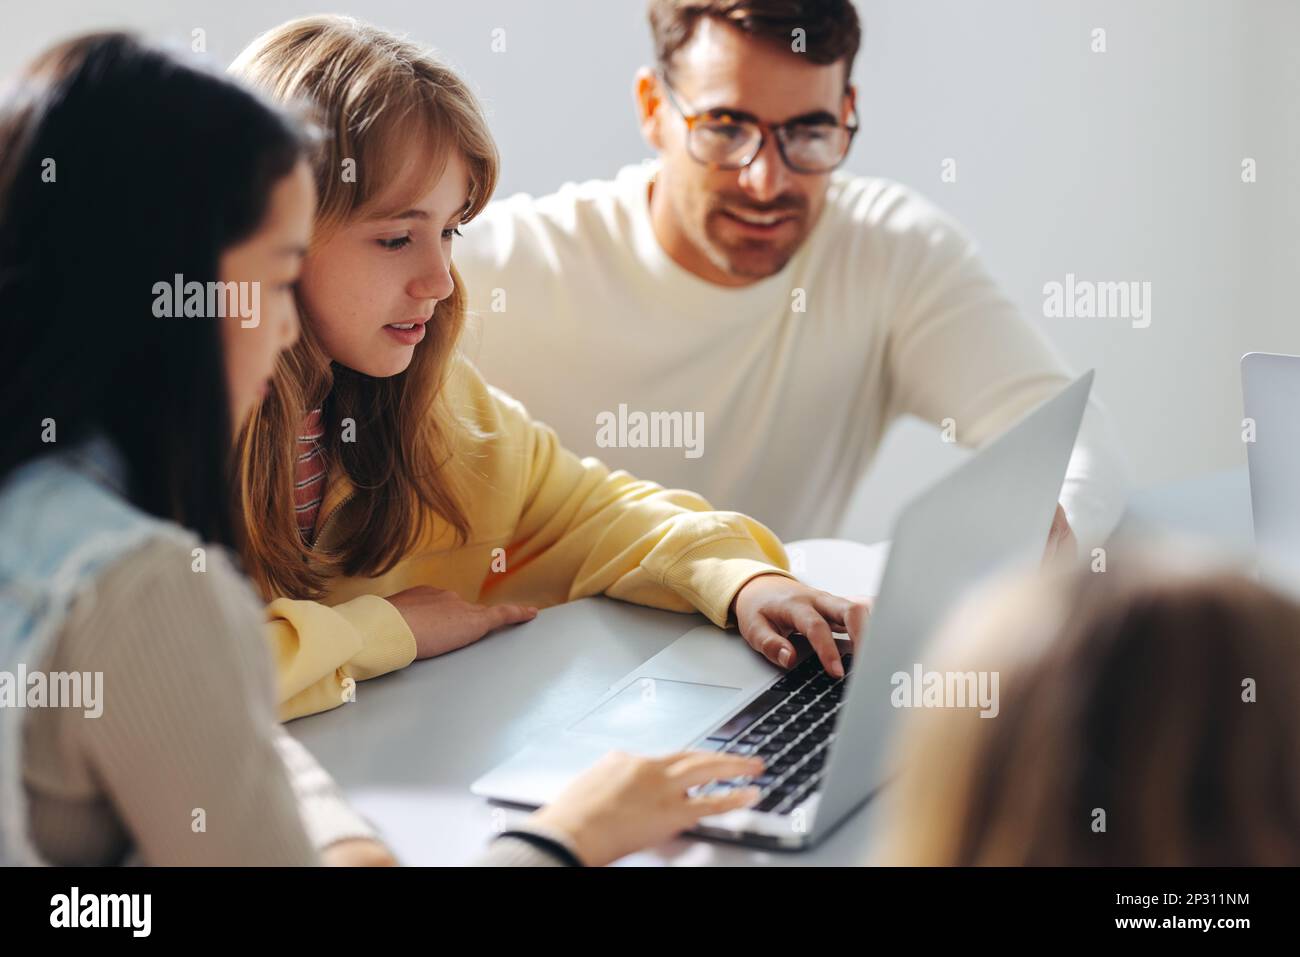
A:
(1060, 540)
(764, 639)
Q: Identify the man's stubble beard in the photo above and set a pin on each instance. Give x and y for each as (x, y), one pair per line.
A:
(732, 259)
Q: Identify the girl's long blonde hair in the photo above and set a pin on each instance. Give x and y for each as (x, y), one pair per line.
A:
(381, 100)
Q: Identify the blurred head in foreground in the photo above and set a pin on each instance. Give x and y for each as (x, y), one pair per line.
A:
(1148, 715)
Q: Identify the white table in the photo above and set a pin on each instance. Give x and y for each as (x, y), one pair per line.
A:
(408, 748)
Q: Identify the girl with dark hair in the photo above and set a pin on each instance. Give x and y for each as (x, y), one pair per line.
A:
(137, 696)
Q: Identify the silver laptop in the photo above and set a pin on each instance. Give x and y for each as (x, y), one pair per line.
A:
(824, 742)
(1270, 386)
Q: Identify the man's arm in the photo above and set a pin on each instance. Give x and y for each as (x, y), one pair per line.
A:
(962, 357)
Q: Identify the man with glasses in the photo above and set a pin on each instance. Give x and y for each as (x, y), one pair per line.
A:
(795, 310)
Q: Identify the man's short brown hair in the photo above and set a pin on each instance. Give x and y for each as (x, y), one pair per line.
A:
(831, 30)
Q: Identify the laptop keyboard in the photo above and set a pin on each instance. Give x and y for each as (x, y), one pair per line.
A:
(790, 727)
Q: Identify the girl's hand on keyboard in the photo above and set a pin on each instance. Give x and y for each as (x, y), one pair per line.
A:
(625, 803)
(769, 608)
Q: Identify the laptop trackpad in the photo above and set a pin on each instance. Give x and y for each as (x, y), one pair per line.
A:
(655, 715)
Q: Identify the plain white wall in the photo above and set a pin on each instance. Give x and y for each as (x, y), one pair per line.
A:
(1123, 165)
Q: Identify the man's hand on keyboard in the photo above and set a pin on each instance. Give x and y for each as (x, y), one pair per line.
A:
(1061, 542)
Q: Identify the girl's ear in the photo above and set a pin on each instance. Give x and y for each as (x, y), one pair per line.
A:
(648, 100)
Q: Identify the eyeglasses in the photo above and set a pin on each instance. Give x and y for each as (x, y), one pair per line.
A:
(722, 141)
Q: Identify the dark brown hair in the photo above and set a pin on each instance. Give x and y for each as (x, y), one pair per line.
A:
(161, 167)
(1170, 700)
(832, 31)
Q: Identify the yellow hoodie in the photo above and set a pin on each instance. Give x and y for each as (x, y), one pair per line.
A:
(546, 527)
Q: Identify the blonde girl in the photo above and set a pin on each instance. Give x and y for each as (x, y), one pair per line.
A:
(397, 507)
